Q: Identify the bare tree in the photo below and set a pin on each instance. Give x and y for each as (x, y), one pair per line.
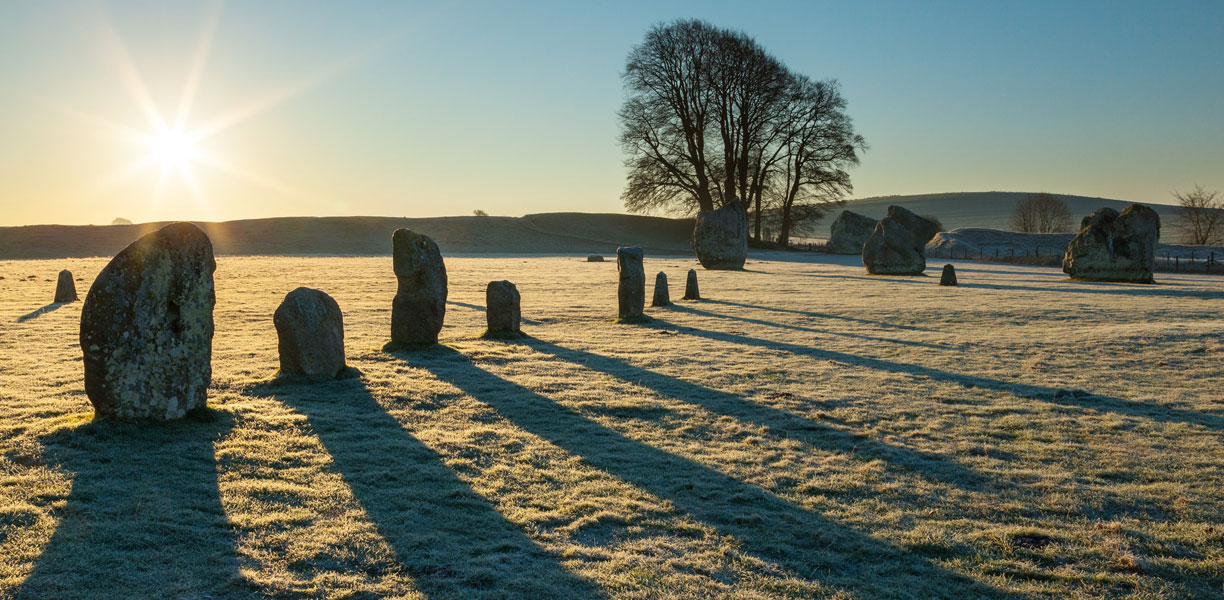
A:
(1200, 216)
(1041, 213)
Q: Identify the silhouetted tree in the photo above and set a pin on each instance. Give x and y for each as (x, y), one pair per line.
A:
(480, 213)
(711, 118)
(1041, 213)
(1200, 216)
(939, 226)
(121, 221)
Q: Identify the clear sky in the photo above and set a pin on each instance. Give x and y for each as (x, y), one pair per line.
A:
(439, 108)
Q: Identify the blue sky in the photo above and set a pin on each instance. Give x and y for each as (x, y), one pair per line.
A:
(419, 109)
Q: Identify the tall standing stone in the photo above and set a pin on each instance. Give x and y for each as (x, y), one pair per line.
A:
(720, 237)
(1113, 246)
(948, 277)
(502, 307)
(848, 233)
(690, 286)
(661, 297)
(65, 288)
(310, 334)
(631, 292)
(147, 327)
(896, 245)
(420, 300)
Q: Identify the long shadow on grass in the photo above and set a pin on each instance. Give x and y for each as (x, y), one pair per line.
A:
(1059, 287)
(144, 518)
(781, 424)
(806, 544)
(40, 312)
(482, 309)
(449, 539)
(818, 315)
(706, 313)
(1068, 397)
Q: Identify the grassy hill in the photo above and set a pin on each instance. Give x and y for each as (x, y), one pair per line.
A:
(554, 233)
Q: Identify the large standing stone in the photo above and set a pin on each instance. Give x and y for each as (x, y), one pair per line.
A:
(420, 300)
(720, 237)
(848, 233)
(310, 333)
(502, 307)
(948, 277)
(1113, 246)
(631, 292)
(65, 288)
(147, 327)
(896, 244)
(661, 297)
(690, 286)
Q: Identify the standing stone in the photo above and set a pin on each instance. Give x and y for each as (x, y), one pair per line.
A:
(895, 246)
(631, 292)
(1113, 246)
(720, 237)
(949, 275)
(595, 258)
(502, 307)
(147, 327)
(310, 334)
(848, 233)
(690, 286)
(65, 288)
(420, 300)
(661, 297)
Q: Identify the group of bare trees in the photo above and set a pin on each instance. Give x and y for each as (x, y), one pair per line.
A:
(1041, 213)
(1200, 217)
(711, 118)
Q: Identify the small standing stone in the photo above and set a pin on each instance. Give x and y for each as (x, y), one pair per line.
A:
(65, 288)
(420, 299)
(631, 293)
(661, 297)
(147, 327)
(310, 334)
(949, 275)
(595, 258)
(502, 307)
(690, 286)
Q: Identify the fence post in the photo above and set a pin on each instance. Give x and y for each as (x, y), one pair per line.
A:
(996, 254)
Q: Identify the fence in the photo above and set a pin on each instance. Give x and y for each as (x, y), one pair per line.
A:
(1194, 262)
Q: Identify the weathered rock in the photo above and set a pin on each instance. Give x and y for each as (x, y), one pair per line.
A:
(661, 297)
(420, 299)
(502, 307)
(690, 286)
(896, 244)
(65, 288)
(1113, 246)
(595, 258)
(310, 334)
(848, 233)
(949, 276)
(720, 237)
(631, 291)
(147, 327)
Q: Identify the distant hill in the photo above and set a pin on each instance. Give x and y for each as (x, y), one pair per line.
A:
(549, 233)
(981, 209)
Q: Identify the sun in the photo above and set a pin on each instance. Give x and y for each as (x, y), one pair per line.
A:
(172, 149)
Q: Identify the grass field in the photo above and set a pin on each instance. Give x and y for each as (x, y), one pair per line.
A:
(807, 431)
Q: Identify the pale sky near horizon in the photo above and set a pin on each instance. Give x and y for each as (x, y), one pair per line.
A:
(439, 108)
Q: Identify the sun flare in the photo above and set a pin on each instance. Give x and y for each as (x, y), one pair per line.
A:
(172, 149)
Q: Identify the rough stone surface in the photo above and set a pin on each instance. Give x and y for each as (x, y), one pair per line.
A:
(661, 297)
(420, 299)
(848, 233)
(310, 333)
(949, 276)
(690, 286)
(631, 292)
(65, 288)
(896, 244)
(595, 258)
(720, 237)
(147, 327)
(1113, 246)
(502, 307)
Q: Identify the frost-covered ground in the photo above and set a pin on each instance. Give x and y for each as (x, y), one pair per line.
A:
(806, 431)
